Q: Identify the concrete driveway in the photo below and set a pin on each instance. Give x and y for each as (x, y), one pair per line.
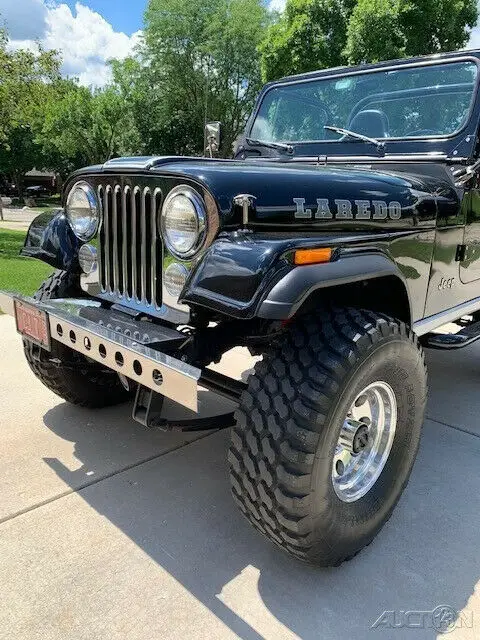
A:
(18, 219)
(110, 531)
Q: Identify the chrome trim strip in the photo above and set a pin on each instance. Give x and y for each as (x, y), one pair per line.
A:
(153, 369)
(125, 195)
(143, 246)
(421, 327)
(100, 252)
(323, 160)
(116, 275)
(157, 194)
(106, 219)
(134, 244)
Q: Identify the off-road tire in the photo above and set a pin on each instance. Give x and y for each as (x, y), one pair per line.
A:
(288, 424)
(65, 372)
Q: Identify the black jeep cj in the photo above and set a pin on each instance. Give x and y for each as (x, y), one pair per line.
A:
(345, 230)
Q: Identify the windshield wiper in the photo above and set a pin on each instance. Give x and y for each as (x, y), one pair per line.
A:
(354, 134)
(281, 146)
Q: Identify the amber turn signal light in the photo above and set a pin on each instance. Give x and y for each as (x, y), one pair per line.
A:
(312, 256)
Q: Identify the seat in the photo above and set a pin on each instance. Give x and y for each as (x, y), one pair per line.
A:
(370, 122)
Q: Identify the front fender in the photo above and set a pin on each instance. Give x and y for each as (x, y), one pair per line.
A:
(235, 273)
(51, 239)
(291, 291)
(247, 275)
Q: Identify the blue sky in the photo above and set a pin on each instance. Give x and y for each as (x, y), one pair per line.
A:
(89, 32)
(123, 15)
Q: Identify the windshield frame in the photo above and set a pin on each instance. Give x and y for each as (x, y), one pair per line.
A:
(393, 142)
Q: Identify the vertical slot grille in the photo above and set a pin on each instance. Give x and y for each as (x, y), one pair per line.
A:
(130, 250)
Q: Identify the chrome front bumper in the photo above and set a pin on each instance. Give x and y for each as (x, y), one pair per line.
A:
(142, 364)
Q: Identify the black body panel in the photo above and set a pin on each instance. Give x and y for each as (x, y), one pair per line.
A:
(51, 239)
(246, 274)
(275, 184)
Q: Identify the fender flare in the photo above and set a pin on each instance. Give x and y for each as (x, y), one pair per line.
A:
(51, 239)
(285, 298)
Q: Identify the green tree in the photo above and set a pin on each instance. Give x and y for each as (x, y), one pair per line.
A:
(83, 127)
(309, 35)
(27, 79)
(49, 122)
(317, 34)
(385, 29)
(200, 62)
(19, 154)
(375, 32)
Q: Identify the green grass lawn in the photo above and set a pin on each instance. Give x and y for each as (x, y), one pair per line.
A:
(23, 275)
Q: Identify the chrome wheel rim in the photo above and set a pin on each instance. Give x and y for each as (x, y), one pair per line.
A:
(365, 441)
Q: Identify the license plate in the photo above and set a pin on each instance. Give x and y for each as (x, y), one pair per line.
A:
(32, 323)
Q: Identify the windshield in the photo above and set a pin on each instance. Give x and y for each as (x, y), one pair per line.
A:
(414, 102)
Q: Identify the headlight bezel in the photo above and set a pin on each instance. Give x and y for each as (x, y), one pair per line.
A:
(200, 209)
(95, 211)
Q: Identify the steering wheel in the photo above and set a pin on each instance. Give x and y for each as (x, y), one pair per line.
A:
(423, 132)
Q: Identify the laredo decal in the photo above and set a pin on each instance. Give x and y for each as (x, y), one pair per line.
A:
(362, 210)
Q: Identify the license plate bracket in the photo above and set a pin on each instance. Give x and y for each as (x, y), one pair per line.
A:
(32, 323)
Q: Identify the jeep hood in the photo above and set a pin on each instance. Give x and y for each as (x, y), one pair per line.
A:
(306, 194)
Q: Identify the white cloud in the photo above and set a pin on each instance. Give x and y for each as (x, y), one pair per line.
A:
(474, 42)
(86, 40)
(277, 5)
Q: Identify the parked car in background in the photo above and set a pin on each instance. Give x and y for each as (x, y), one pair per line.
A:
(37, 191)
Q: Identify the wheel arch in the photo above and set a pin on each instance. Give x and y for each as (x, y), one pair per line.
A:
(368, 281)
(385, 294)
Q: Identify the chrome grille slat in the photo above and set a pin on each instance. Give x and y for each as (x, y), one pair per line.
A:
(134, 242)
(143, 254)
(156, 196)
(115, 261)
(106, 232)
(129, 245)
(125, 196)
(100, 253)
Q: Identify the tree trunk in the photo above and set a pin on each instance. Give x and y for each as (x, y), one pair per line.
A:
(1, 208)
(18, 177)
(58, 183)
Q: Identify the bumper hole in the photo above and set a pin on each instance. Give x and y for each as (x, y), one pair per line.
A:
(59, 330)
(137, 367)
(73, 337)
(102, 351)
(87, 344)
(157, 377)
(119, 359)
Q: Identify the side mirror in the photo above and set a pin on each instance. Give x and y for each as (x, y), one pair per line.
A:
(212, 138)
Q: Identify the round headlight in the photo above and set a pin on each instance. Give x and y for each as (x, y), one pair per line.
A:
(182, 222)
(82, 211)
